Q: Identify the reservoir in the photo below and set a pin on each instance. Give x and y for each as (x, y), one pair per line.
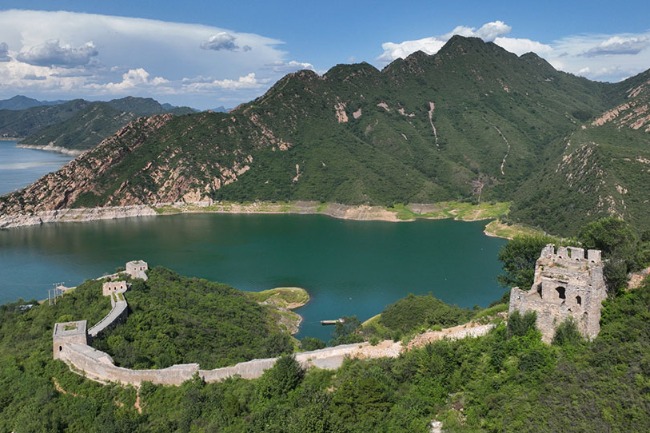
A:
(348, 267)
(20, 167)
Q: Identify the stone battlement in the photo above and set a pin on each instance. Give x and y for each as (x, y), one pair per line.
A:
(566, 254)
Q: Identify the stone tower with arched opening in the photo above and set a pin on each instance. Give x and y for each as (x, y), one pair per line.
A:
(568, 283)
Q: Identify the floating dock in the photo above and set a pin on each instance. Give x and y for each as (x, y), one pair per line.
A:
(331, 322)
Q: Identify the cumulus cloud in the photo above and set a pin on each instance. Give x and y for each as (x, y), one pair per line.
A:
(248, 81)
(223, 41)
(585, 55)
(488, 32)
(430, 45)
(135, 78)
(4, 52)
(52, 53)
(291, 66)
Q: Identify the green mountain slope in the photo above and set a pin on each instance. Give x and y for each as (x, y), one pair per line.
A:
(88, 127)
(603, 168)
(21, 123)
(20, 102)
(472, 122)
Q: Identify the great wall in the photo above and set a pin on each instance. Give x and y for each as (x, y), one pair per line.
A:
(71, 345)
(568, 284)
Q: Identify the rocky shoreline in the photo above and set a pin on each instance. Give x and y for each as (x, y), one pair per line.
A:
(75, 215)
(334, 210)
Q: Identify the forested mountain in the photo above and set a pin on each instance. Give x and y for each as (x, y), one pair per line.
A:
(20, 102)
(78, 124)
(472, 122)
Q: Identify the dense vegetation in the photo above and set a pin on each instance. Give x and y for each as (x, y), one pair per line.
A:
(177, 320)
(508, 382)
(416, 313)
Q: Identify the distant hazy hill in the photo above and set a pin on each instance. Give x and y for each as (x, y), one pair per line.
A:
(472, 122)
(20, 102)
(89, 126)
(77, 124)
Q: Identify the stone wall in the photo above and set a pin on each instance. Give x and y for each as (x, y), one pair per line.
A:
(568, 283)
(99, 366)
(117, 314)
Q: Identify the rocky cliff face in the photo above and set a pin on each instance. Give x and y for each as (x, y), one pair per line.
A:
(62, 188)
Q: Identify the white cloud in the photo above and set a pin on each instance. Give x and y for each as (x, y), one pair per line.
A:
(248, 81)
(130, 56)
(590, 56)
(620, 45)
(52, 53)
(4, 52)
(135, 78)
(523, 46)
(488, 32)
(223, 41)
(287, 67)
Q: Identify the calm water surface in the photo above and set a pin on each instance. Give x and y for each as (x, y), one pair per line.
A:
(348, 267)
(20, 167)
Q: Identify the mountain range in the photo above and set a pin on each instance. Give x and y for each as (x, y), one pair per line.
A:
(472, 122)
(75, 125)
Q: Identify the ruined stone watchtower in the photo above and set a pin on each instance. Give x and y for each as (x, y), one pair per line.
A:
(66, 333)
(568, 283)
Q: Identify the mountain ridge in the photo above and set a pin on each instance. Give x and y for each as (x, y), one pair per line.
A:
(472, 122)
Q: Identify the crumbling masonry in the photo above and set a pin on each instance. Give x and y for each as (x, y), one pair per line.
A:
(568, 283)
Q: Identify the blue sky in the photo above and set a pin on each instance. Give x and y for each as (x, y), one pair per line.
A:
(212, 53)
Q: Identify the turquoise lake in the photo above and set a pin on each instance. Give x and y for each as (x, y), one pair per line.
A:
(348, 267)
(20, 167)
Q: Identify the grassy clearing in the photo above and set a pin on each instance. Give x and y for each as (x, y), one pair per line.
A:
(281, 297)
(452, 209)
(509, 231)
(490, 314)
(166, 210)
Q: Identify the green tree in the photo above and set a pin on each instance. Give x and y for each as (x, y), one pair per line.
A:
(518, 257)
(619, 244)
(285, 376)
(347, 331)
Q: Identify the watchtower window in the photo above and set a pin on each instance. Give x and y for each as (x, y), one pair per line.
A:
(60, 348)
(539, 290)
(561, 292)
(578, 300)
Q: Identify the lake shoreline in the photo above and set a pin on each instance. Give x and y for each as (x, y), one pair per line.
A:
(403, 213)
(50, 148)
